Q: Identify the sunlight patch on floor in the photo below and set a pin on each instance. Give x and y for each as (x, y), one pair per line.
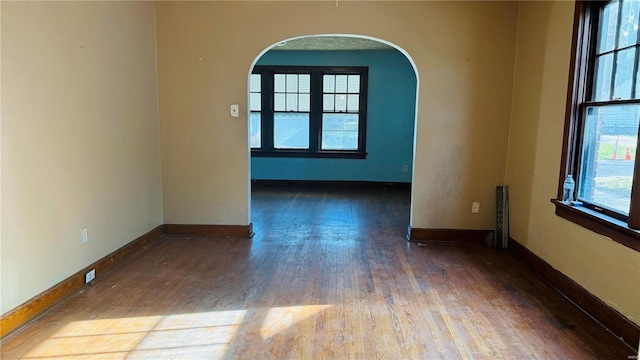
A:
(195, 335)
(281, 318)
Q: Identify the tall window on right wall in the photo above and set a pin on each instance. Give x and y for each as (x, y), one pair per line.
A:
(603, 114)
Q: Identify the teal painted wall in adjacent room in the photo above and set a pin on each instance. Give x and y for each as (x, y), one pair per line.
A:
(390, 120)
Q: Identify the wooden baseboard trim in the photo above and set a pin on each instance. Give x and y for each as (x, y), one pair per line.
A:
(448, 235)
(260, 183)
(43, 301)
(611, 319)
(212, 231)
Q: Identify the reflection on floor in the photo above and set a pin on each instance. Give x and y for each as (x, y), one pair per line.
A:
(328, 275)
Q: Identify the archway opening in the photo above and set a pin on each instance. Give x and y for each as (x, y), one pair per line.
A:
(293, 112)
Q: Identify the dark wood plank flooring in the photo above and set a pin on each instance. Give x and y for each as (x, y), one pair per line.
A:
(329, 275)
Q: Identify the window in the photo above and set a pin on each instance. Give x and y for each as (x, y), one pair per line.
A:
(603, 113)
(341, 106)
(308, 111)
(255, 106)
(291, 110)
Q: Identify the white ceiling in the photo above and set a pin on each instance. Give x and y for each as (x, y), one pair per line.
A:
(331, 43)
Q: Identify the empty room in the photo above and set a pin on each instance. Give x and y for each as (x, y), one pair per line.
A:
(331, 179)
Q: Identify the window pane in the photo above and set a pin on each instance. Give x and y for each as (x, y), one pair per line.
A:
(608, 153)
(291, 130)
(628, 23)
(624, 74)
(328, 83)
(304, 83)
(292, 83)
(604, 67)
(339, 131)
(254, 130)
(279, 102)
(254, 102)
(279, 83)
(328, 102)
(608, 25)
(341, 103)
(341, 83)
(292, 102)
(254, 83)
(354, 84)
(303, 102)
(353, 103)
(638, 84)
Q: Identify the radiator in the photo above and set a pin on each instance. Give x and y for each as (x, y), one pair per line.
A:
(501, 240)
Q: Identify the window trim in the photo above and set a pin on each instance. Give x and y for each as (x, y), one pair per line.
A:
(315, 113)
(580, 64)
(599, 223)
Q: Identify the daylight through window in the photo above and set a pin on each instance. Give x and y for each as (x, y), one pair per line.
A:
(601, 129)
(308, 111)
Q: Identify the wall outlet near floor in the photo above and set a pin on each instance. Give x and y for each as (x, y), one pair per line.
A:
(405, 168)
(83, 235)
(88, 277)
(475, 207)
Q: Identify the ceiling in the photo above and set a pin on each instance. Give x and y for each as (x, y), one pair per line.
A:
(331, 43)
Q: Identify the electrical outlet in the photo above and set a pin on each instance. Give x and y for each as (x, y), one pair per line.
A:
(83, 235)
(475, 207)
(88, 277)
(405, 168)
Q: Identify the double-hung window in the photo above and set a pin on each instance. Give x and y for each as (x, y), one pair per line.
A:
(308, 111)
(603, 113)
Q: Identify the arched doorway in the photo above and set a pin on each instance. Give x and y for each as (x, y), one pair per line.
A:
(391, 111)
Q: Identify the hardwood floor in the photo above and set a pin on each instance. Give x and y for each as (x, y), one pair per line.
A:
(328, 275)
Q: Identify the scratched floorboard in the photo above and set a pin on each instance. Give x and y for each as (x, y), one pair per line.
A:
(328, 275)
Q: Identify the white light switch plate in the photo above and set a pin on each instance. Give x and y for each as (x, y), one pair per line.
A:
(234, 110)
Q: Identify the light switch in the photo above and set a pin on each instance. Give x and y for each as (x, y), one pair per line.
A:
(234, 110)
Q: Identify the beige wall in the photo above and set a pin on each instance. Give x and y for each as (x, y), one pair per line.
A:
(464, 54)
(80, 142)
(79, 137)
(608, 270)
(1, 206)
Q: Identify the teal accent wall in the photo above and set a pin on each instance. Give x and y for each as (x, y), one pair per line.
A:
(390, 120)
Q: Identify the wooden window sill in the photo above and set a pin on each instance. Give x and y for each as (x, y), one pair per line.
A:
(615, 229)
(334, 154)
